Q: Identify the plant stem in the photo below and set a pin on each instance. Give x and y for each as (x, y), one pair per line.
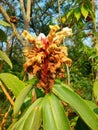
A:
(12, 25)
(7, 94)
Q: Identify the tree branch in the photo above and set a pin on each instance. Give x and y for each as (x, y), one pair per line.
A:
(28, 14)
(58, 7)
(23, 9)
(5, 117)
(7, 94)
(28, 9)
(12, 25)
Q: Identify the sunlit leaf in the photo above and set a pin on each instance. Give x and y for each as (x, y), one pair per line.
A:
(12, 82)
(4, 57)
(69, 13)
(34, 119)
(63, 19)
(93, 106)
(77, 13)
(12, 126)
(69, 96)
(4, 23)
(84, 11)
(22, 122)
(21, 97)
(54, 117)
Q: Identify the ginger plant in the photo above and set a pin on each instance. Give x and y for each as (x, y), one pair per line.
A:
(46, 59)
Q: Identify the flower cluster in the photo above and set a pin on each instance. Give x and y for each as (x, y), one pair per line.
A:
(47, 57)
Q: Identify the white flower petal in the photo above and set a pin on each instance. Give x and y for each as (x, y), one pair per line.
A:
(41, 36)
(67, 30)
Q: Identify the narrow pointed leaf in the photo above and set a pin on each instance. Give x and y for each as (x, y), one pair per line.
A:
(4, 57)
(93, 106)
(12, 82)
(12, 126)
(84, 11)
(4, 23)
(22, 121)
(77, 13)
(20, 124)
(54, 117)
(34, 119)
(48, 121)
(69, 13)
(69, 96)
(21, 97)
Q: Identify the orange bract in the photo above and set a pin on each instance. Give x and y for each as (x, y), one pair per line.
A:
(46, 58)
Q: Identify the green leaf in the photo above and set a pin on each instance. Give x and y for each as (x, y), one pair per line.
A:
(4, 57)
(69, 96)
(4, 23)
(12, 126)
(39, 92)
(21, 97)
(22, 122)
(84, 11)
(19, 124)
(77, 13)
(69, 13)
(54, 117)
(95, 90)
(34, 119)
(12, 82)
(63, 19)
(93, 106)
(3, 36)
